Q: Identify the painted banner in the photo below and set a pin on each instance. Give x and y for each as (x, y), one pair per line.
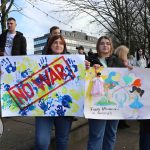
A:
(115, 93)
(42, 85)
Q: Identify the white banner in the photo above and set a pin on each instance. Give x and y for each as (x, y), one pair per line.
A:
(117, 93)
(42, 85)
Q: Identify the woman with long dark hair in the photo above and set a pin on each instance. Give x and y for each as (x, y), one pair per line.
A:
(141, 59)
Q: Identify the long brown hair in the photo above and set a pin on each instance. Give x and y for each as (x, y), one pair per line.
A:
(98, 43)
(51, 41)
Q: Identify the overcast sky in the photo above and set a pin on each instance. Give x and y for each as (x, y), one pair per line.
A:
(34, 23)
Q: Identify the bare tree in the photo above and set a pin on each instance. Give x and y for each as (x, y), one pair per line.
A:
(4, 12)
(126, 20)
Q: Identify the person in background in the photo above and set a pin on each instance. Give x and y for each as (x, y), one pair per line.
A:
(131, 60)
(122, 52)
(144, 140)
(81, 51)
(102, 133)
(141, 59)
(12, 42)
(53, 32)
(90, 53)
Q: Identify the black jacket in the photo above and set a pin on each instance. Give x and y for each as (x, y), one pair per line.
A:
(145, 126)
(45, 47)
(19, 43)
(112, 61)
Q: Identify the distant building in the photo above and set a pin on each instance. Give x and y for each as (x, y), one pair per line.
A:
(73, 39)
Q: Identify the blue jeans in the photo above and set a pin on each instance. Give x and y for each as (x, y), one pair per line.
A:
(44, 129)
(102, 134)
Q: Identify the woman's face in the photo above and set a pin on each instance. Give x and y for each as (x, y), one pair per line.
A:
(140, 52)
(104, 46)
(57, 46)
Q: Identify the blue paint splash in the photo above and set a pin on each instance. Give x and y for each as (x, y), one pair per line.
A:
(43, 62)
(110, 81)
(72, 64)
(25, 73)
(66, 100)
(69, 73)
(43, 106)
(6, 87)
(52, 113)
(25, 111)
(60, 111)
(9, 67)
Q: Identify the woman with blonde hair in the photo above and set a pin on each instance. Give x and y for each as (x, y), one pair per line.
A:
(122, 53)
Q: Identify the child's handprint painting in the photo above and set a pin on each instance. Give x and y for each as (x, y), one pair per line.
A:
(42, 85)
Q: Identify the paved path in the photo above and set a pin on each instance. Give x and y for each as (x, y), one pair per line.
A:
(19, 135)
